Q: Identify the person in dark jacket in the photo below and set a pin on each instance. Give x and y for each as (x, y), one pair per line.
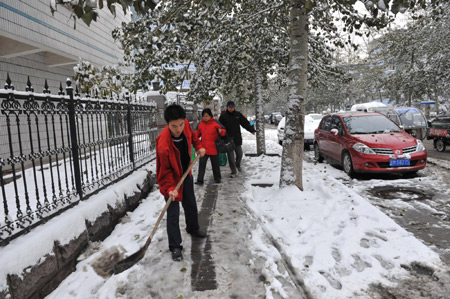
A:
(173, 155)
(232, 121)
(209, 130)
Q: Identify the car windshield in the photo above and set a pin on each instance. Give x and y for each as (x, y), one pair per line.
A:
(370, 124)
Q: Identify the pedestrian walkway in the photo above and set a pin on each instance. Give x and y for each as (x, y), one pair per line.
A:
(236, 260)
(228, 256)
(223, 265)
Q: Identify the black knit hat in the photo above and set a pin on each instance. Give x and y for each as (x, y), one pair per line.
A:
(230, 104)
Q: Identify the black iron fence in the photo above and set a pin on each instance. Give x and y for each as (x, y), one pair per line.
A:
(57, 149)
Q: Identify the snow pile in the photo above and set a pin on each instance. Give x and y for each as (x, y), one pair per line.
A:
(17, 256)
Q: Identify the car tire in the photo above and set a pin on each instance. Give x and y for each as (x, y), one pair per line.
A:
(317, 155)
(439, 144)
(280, 142)
(306, 147)
(347, 164)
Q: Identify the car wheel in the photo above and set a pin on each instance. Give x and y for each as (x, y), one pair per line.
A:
(306, 147)
(280, 142)
(440, 145)
(347, 164)
(317, 155)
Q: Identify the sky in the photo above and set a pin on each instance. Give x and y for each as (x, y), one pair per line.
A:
(338, 243)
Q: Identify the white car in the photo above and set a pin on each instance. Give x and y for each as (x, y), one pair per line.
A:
(312, 121)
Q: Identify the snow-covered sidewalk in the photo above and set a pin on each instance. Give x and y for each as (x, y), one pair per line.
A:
(342, 246)
(339, 245)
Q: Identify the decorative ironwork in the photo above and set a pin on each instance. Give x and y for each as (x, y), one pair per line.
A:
(58, 149)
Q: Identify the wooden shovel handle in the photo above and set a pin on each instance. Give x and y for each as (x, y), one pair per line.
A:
(149, 240)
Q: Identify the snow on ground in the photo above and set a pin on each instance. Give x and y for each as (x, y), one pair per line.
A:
(336, 240)
(17, 255)
(440, 162)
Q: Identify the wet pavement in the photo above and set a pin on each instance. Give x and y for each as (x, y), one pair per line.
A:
(203, 274)
(433, 153)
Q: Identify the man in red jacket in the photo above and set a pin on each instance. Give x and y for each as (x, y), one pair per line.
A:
(173, 155)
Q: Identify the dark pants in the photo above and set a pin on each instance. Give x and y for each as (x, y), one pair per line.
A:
(215, 167)
(235, 161)
(190, 212)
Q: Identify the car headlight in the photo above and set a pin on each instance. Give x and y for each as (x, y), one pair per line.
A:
(420, 147)
(362, 148)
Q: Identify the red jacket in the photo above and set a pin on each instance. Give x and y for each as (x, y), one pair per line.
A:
(168, 162)
(208, 131)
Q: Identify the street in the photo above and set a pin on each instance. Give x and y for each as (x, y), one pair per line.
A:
(433, 153)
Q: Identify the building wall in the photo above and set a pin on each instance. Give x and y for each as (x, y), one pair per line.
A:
(35, 43)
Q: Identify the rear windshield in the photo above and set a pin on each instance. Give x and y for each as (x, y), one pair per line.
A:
(370, 124)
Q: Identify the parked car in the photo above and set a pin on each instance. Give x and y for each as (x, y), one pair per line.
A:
(275, 118)
(366, 107)
(315, 116)
(367, 142)
(439, 131)
(311, 123)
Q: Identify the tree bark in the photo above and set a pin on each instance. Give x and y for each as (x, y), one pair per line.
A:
(292, 158)
(259, 114)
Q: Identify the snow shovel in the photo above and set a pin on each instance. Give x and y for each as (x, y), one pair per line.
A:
(137, 256)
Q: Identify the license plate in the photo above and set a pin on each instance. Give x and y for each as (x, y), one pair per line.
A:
(399, 162)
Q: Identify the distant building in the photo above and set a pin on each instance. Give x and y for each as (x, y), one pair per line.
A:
(35, 43)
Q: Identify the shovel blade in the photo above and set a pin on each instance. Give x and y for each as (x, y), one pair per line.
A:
(129, 261)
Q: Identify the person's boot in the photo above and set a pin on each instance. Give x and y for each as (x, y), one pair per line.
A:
(199, 183)
(177, 256)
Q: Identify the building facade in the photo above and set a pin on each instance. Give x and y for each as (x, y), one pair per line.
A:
(35, 43)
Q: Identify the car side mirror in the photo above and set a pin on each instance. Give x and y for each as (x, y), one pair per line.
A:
(402, 127)
(335, 132)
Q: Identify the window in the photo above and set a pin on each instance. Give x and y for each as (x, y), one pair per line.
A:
(326, 122)
(337, 124)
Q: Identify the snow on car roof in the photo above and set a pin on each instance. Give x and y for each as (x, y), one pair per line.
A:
(365, 106)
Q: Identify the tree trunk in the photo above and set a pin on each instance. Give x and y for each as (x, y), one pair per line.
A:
(259, 114)
(292, 159)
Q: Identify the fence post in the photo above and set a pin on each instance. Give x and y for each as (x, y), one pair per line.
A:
(73, 139)
(130, 129)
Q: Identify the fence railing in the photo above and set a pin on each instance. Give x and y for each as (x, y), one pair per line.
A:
(57, 149)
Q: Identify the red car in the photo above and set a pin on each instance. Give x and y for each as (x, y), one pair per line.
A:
(368, 142)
